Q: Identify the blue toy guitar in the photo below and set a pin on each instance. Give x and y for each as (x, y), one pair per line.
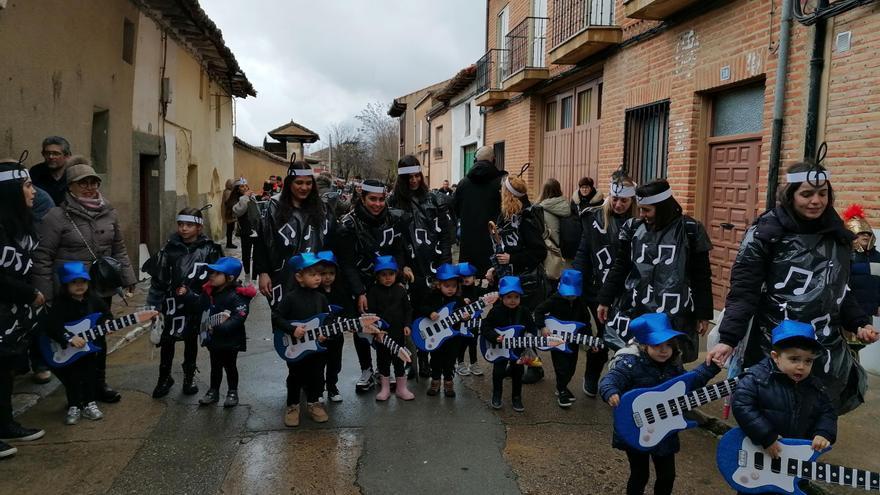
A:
(429, 334)
(472, 326)
(57, 356)
(512, 340)
(568, 332)
(292, 350)
(645, 416)
(748, 469)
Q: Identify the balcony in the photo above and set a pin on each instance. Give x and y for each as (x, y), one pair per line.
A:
(491, 71)
(526, 44)
(582, 28)
(657, 10)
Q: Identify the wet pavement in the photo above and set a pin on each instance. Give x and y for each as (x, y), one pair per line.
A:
(430, 445)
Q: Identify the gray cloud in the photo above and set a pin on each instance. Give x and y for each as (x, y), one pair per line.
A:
(320, 62)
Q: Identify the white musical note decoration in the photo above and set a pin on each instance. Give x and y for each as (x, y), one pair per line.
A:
(437, 224)
(808, 277)
(618, 322)
(288, 234)
(276, 294)
(674, 309)
(606, 254)
(605, 274)
(195, 271)
(177, 325)
(424, 237)
(171, 306)
(11, 257)
(387, 237)
(598, 228)
(511, 239)
(648, 295)
(825, 320)
(827, 361)
(843, 296)
(308, 235)
(326, 225)
(660, 249)
(641, 258)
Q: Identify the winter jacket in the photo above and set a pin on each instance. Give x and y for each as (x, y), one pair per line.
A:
(41, 176)
(562, 309)
(864, 280)
(247, 213)
(226, 211)
(502, 316)
(229, 335)
(433, 300)
(362, 237)
(631, 371)
(66, 310)
(430, 232)
(521, 238)
(42, 204)
(393, 306)
(60, 243)
(768, 404)
(16, 294)
(600, 243)
(175, 265)
(477, 200)
(554, 209)
(579, 203)
(299, 304)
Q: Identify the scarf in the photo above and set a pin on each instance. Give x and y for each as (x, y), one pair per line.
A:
(89, 203)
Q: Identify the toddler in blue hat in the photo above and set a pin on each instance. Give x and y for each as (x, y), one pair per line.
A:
(470, 291)
(338, 297)
(778, 397)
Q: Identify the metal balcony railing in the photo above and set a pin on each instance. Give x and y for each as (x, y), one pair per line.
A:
(492, 68)
(573, 16)
(526, 44)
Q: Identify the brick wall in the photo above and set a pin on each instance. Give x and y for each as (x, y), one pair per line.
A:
(516, 125)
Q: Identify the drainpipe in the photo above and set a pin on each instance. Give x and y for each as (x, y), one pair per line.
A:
(817, 65)
(779, 104)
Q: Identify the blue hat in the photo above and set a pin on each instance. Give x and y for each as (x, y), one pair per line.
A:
(447, 271)
(72, 270)
(327, 257)
(571, 283)
(653, 329)
(466, 269)
(385, 263)
(227, 265)
(304, 260)
(791, 329)
(509, 284)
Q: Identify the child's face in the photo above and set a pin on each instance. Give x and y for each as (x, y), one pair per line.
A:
(660, 353)
(468, 281)
(795, 363)
(77, 288)
(217, 279)
(188, 231)
(449, 287)
(328, 276)
(387, 277)
(510, 300)
(310, 278)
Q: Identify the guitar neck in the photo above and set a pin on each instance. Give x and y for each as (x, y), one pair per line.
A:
(456, 315)
(336, 328)
(587, 340)
(525, 341)
(709, 393)
(99, 331)
(389, 343)
(829, 473)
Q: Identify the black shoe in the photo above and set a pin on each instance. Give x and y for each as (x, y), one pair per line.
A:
(163, 387)
(563, 399)
(211, 397)
(517, 404)
(231, 399)
(108, 395)
(496, 399)
(591, 386)
(7, 450)
(15, 432)
(189, 379)
(231, 246)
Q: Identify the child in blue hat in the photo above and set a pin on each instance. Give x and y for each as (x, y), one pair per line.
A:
(656, 360)
(565, 304)
(338, 296)
(391, 303)
(73, 303)
(445, 291)
(778, 397)
(470, 291)
(509, 312)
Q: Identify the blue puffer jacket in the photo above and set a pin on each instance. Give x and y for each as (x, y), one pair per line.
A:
(768, 404)
(631, 371)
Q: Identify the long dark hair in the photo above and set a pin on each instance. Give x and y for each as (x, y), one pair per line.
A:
(401, 184)
(785, 196)
(16, 217)
(312, 205)
(552, 189)
(666, 210)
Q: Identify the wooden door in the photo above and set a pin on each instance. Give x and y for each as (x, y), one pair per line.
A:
(572, 120)
(733, 196)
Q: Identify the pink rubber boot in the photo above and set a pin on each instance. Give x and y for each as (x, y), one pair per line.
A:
(402, 392)
(385, 391)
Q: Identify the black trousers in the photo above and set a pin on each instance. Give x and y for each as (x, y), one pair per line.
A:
(79, 380)
(443, 360)
(469, 345)
(224, 360)
(564, 366)
(101, 356)
(639, 471)
(365, 357)
(332, 362)
(500, 370)
(306, 374)
(246, 246)
(596, 360)
(384, 359)
(230, 231)
(37, 362)
(190, 352)
(6, 381)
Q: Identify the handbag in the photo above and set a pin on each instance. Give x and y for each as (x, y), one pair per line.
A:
(106, 271)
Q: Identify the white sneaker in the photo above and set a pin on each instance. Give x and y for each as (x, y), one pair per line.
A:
(73, 415)
(476, 369)
(366, 377)
(463, 369)
(334, 396)
(92, 412)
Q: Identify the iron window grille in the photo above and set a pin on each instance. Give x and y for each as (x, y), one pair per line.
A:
(646, 142)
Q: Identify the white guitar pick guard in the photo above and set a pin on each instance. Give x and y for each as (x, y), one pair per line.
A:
(650, 434)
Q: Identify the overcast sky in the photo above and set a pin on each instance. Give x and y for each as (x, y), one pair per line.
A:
(320, 62)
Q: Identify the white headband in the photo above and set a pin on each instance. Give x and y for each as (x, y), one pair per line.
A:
(241, 181)
(621, 191)
(415, 169)
(190, 219)
(510, 188)
(301, 171)
(372, 189)
(650, 200)
(811, 176)
(14, 175)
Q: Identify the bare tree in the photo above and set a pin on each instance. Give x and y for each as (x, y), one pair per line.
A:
(349, 151)
(380, 134)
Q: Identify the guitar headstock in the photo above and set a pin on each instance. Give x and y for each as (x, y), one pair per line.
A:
(145, 315)
(490, 298)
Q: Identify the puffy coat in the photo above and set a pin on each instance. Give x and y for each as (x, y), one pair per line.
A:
(430, 232)
(16, 295)
(60, 243)
(477, 200)
(554, 209)
(226, 211)
(229, 335)
(630, 371)
(767, 404)
(864, 280)
(579, 203)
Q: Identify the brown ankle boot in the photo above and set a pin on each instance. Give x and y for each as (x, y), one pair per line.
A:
(449, 388)
(434, 389)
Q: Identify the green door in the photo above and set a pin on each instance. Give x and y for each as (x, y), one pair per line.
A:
(470, 152)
